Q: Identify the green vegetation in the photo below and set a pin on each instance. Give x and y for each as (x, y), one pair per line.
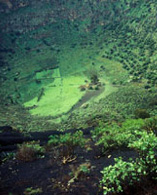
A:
(115, 136)
(71, 65)
(118, 175)
(32, 191)
(146, 147)
(122, 174)
(7, 156)
(29, 151)
(47, 61)
(141, 113)
(135, 134)
(108, 34)
(67, 143)
(69, 139)
(110, 136)
(150, 125)
(79, 172)
(58, 98)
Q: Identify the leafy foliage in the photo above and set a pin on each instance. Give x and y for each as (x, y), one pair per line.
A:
(146, 147)
(122, 173)
(141, 113)
(67, 141)
(114, 177)
(79, 172)
(150, 124)
(5, 156)
(114, 135)
(29, 151)
(126, 100)
(148, 141)
(32, 191)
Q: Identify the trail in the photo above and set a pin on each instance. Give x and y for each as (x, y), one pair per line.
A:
(88, 95)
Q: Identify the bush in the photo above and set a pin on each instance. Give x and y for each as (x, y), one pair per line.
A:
(67, 141)
(141, 113)
(150, 124)
(93, 74)
(79, 171)
(114, 135)
(121, 174)
(146, 146)
(147, 142)
(32, 191)
(29, 151)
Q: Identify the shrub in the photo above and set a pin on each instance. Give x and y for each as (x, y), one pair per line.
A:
(32, 191)
(5, 156)
(93, 74)
(29, 151)
(147, 142)
(121, 174)
(114, 135)
(141, 113)
(150, 124)
(133, 125)
(79, 171)
(67, 141)
(146, 146)
(68, 138)
(103, 129)
(82, 87)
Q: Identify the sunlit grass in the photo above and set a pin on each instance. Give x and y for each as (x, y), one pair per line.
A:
(58, 97)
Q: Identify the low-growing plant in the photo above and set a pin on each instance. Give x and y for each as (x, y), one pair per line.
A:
(133, 125)
(146, 146)
(150, 124)
(32, 191)
(114, 135)
(29, 151)
(5, 156)
(119, 175)
(67, 141)
(79, 172)
(103, 129)
(126, 100)
(122, 174)
(147, 142)
(141, 113)
(67, 138)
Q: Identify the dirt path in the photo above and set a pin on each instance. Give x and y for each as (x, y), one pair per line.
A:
(88, 95)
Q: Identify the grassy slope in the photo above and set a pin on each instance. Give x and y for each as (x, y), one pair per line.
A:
(58, 97)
